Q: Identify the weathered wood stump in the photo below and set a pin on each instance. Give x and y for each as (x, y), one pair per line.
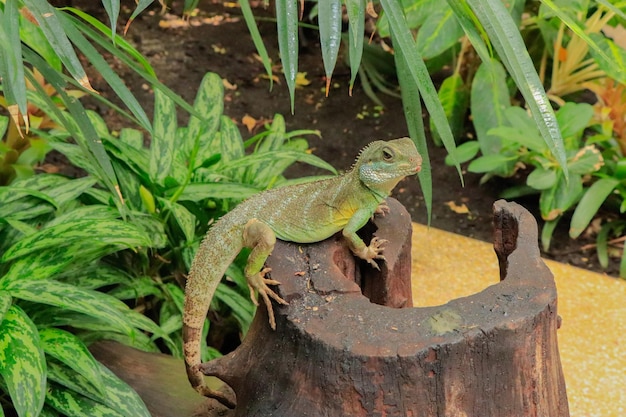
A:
(335, 353)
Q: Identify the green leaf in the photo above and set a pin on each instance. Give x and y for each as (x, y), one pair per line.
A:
(163, 137)
(209, 102)
(11, 65)
(112, 8)
(72, 27)
(242, 307)
(454, 98)
(546, 232)
(412, 106)
(465, 151)
(215, 190)
(554, 201)
(248, 16)
(97, 233)
(355, 9)
(68, 349)
(438, 33)
(287, 28)
(5, 302)
(573, 118)
(56, 33)
(586, 161)
(184, 218)
(509, 44)
(22, 362)
(489, 100)
(488, 163)
(69, 297)
(403, 40)
(541, 178)
(589, 204)
(329, 19)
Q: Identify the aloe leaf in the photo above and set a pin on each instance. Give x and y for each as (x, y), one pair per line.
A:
(248, 16)
(412, 106)
(22, 362)
(11, 66)
(287, 28)
(489, 100)
(509, 44)
(415, 66)
(589, 205)
(55, 31)
(329, 13)
(71, 351)
(163, 137)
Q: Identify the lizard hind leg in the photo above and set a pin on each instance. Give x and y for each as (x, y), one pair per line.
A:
(261, 238)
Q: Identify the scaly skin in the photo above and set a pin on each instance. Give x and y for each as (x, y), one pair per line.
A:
(303, 213)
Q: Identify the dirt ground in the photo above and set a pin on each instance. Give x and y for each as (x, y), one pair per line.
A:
(217, 40)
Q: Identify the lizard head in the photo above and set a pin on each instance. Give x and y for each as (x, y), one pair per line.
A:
(382, 164)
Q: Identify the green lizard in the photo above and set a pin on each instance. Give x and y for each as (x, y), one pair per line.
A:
(303, 213)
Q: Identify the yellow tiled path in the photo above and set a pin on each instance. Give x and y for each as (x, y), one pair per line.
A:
(592, 339)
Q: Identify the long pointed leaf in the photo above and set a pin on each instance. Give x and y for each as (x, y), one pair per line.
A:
(413, 115)
(403, 39)
(22, 362)
(287, 27)
(589, 204)
(96, 59)
(48, 19)
(246, 10)
(356, 20)
(112, 8)
(11, 66)
(330, 35)
(509, 44)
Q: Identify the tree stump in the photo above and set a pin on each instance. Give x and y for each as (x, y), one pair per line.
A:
(335, 353)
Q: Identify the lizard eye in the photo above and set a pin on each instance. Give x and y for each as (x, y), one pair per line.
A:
(387, 154)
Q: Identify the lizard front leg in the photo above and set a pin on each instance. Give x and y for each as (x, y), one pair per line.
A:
(261, 238)
(356, 244)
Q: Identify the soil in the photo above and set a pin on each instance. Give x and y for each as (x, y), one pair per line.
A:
(217, 40)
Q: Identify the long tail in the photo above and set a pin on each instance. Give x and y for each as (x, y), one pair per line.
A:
(218, 249)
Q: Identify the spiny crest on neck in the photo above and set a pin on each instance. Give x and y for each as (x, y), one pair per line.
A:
(365, 152)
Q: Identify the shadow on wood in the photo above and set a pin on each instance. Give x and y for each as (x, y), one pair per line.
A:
(335, 353)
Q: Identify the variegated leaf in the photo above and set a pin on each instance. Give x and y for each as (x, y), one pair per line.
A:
(5, 302)
(91, 303)
(209, 102)
(68, 349)
(99, 233)
(120, 400)
(22, 362)
(163, 137)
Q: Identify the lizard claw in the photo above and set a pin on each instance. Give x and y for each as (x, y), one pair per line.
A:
(259, 283)
(382, 209)
(373, 251)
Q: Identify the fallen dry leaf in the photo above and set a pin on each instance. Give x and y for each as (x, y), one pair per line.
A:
(249, 122)
(301, 80)
(459, 209)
